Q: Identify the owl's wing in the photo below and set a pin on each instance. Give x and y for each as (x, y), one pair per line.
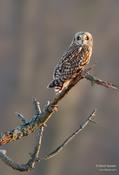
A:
(69, 62)
(71, 53)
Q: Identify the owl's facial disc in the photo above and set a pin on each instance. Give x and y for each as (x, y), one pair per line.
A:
(82, 38)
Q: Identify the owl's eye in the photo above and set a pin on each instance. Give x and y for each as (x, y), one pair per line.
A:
(87, 37)
(78, 38)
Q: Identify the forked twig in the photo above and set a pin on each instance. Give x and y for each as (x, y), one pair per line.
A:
(34, 156)
(70, 138)
(31, 162)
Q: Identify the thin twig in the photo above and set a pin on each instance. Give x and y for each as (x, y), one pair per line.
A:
(98, 81)
(21, 117)
(36, 105)
(70, 138)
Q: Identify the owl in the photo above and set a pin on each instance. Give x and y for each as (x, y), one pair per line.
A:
(73, 61)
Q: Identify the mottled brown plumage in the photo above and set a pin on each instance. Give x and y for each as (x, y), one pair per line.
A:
(73, 60)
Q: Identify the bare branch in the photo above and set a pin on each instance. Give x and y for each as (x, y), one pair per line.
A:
(70, 138)
(38, 121)
(30, 164)
(41, 118)
(97, 81)
(35, 155)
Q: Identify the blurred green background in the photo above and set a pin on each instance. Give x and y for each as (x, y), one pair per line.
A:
(33, 35)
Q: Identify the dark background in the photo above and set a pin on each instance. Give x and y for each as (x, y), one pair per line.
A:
(33, 35)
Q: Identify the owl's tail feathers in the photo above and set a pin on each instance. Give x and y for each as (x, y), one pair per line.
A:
(57, 84)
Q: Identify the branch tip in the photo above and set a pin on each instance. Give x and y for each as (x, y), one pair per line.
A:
(21, 117)
(36, 105)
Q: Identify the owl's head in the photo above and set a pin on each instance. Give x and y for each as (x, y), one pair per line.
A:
(83, 38)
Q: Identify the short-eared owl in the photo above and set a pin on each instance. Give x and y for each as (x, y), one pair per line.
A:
(73, 60)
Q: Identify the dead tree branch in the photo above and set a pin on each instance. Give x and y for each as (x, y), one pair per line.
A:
(71, 137)
(34, 156)
(40, 119)
(100, 82)
(31, 162)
